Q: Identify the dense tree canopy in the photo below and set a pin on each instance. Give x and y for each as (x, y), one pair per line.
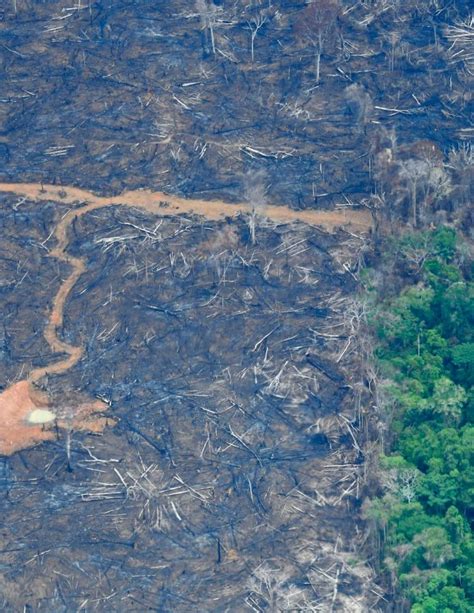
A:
(425, 352)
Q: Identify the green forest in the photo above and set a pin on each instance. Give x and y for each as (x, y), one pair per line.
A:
(421, 300)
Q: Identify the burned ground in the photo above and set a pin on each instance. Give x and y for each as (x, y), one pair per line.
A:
(132, 95)
(28, 281)
(229, 478)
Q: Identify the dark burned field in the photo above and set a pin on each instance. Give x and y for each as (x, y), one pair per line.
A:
(230, 474)
(125, 94)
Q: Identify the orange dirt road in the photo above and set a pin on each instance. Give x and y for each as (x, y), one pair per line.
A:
(20, 399)
(84, 201)
(357, 220)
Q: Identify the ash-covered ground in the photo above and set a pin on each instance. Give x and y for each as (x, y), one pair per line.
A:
(124, 94)
(233, 476)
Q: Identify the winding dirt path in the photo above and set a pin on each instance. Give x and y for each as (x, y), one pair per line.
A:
(159, 203)
(18, 401)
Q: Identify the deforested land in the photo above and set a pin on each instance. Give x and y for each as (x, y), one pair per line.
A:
(237, 305)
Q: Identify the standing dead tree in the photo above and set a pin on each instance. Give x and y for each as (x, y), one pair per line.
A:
(255, 194)
(461, 167)
(425, 183)
(414, 179)
(207, 12)
(359, 104)
(318, 26)
(255, 25)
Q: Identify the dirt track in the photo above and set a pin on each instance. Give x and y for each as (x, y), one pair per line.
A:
(20, 404)
(152, 202)
(166, 205)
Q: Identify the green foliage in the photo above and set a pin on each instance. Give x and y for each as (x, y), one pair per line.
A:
(426, 353)
(444, 242)
(462, 359)
(447, 600)
(447, 400)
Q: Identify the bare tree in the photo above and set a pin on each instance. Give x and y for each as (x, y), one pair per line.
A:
(67, 414)
(359, 103)
(255, 194)
(394, 39)
(414, 178)
(414, 172)
(207, 11)
(401, 482)
(318, 26)
(461, 166)
(425, 182)
(255, 24)
(408, 479)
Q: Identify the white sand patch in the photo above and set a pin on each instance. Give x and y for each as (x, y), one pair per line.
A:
(41, 416)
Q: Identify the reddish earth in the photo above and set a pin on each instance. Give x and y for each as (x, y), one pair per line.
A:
(152, 202)
(16, 403)
(22, 399)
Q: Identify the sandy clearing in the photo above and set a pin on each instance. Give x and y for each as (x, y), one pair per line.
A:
(22, 404)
